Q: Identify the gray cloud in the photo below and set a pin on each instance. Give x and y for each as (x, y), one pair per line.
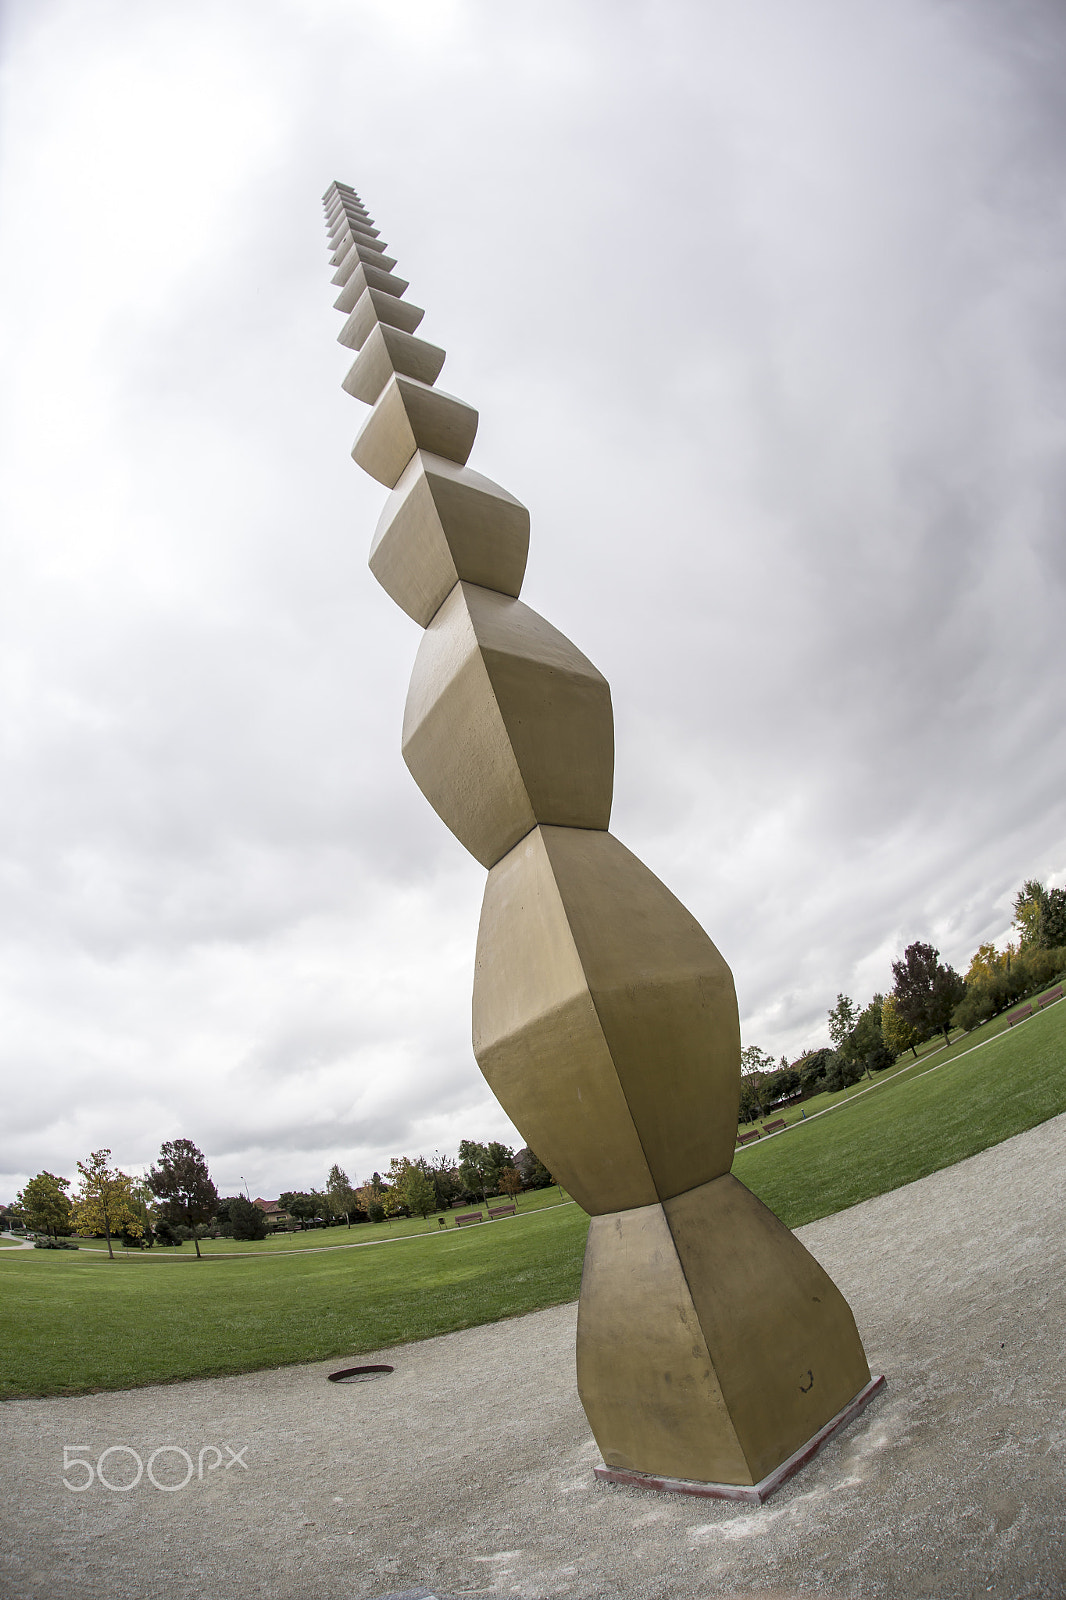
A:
(762, 309)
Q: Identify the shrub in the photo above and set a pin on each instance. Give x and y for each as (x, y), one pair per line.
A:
(376, 1211)
(54, 1244)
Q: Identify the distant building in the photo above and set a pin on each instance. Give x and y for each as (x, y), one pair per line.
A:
(275, 1213)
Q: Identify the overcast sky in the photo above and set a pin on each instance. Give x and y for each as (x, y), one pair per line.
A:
(761, 304)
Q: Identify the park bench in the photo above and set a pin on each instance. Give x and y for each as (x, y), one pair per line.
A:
(774, 1127)
(501, 1211)
(1019, 1015)
(746, 1138)
(468, 1216)
(1050, 998)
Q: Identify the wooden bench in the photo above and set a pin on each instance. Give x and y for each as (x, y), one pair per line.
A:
(746, 1138)
(774, 1127)
(1050, 998)
(468, 1216)
(1019, 1016)
(501, 1211)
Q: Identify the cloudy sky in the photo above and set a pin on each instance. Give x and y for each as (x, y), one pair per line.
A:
(761, 303)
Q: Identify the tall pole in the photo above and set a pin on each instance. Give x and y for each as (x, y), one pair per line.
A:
(711, 1346)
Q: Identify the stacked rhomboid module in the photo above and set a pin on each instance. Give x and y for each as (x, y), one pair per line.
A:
(711, 1346)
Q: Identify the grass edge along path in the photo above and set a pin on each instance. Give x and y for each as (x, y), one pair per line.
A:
(76, 1322)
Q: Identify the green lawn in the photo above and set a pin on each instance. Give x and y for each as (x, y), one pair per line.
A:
(936, 1113)
(75, 1321)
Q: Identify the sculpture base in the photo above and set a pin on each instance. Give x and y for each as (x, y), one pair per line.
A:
(753, 1493)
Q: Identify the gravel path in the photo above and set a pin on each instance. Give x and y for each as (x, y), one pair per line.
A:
(469, 1469)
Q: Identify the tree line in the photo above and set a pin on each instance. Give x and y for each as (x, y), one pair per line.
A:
(928, 997)
(178, 1200)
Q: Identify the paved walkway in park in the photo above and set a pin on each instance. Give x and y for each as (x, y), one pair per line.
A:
(468, 1471)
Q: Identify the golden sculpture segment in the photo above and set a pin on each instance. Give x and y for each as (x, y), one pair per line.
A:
(711, 1346)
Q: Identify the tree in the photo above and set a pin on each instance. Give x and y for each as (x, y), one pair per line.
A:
(782, 1082)
(1028, 903)
(342, 1196)
(813, 1065)
(105, 1203)
(474, 1164)
(1052, 931)
(511, 1183)
(752, 1096)
(898, 1034)
(183, 1184)
(444, 1176)
(842, 1020)
(534, 1173)
(753, 1060)
(44, 1205)
(500, 1156)
(300, 1204)
(868, 1041)
(926, 991)
(416, 1191)
(246, 1219)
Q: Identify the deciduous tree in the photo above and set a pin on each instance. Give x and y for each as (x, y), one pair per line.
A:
(926, 990)
(105, 1203)
(43, 1204)
(842, 1020)
(898, 1034)
(342, 1196)
(1028, 903)
(301, 1204)
(535, 1174)
(182, 1184)
(511, 1183)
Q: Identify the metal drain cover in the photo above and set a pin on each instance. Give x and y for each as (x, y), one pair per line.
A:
(359, 1374)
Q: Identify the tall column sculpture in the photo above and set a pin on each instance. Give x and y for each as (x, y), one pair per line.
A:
(712, 1349)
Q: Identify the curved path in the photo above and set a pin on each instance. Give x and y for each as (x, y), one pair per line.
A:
(468, 1471)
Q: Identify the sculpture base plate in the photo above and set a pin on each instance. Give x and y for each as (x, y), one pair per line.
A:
(749, 1493)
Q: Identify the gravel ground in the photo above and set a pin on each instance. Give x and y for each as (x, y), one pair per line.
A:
(469, 1469)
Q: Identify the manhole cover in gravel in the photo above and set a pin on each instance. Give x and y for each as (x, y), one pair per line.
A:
(358, 1374)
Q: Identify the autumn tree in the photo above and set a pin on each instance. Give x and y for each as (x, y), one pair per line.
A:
(898, 1034)
(44, 1204)
(511, 1183)
(106, 1202)
(182, 1183)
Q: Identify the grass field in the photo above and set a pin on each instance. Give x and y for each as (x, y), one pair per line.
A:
(72, 1322)
(933, 1114)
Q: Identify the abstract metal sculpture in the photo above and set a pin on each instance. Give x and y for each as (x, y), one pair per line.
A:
(711, 1347)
